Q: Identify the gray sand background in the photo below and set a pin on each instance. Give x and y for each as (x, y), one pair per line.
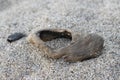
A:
(22, 61)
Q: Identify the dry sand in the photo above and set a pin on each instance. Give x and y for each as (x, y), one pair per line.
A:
(22, 61)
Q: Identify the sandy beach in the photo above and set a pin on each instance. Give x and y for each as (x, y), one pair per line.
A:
(22, 61)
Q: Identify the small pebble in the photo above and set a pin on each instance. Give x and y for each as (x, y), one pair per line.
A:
(15, 37)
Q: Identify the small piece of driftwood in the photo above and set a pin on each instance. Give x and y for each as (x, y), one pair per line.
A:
(81, 47)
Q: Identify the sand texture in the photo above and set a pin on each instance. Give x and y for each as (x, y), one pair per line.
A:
(22, 61)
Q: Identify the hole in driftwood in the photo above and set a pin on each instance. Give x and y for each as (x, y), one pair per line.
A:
(55, 39)
(47, 35)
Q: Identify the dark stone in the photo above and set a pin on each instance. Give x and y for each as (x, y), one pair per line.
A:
(15, 37)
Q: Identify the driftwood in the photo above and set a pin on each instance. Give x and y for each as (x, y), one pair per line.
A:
(81, 47)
